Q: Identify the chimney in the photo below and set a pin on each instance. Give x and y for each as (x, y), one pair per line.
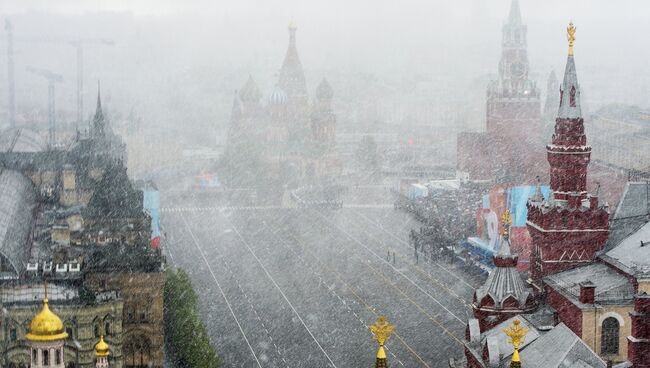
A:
(587, 292)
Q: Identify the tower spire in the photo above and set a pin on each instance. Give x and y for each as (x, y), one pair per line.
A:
(514, 18)
(98, 128)
(570, 91)
(292, 76)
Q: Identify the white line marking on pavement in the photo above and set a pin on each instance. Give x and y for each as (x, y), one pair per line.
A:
(196, 244)
(391, 266)
(280, 290)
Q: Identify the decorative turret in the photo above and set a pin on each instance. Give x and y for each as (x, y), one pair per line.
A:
(101, 353)
(46, 338)
(569, 228)
(324, 91)
(381, 333)
(250, 93)
(504, 293)
(323, 119)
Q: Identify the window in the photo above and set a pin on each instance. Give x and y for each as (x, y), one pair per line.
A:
(609, 336)
(34, 356)
(107, 328)
(46, 357)
(69, 332)
(13, 335)
(58, 356)
(96, 330)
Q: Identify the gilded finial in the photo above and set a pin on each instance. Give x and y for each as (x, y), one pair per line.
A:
(516, 332)
(571, 36)
(506, 221)
(45, 287)
(381, 331)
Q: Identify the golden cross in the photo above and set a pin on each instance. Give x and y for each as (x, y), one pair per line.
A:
(571, 32)
(506, 221)
(516, 333)
(381, 330)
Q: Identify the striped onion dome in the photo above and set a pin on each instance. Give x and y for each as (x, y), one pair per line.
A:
(277, 97)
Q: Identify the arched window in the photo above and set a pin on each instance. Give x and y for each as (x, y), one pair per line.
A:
(58, 356)
(96, 329)
(46, 357)
(34, 356)
(609, 336)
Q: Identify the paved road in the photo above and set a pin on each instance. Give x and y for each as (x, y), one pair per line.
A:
(297, 287)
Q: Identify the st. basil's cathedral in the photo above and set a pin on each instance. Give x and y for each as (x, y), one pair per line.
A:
(298, 136)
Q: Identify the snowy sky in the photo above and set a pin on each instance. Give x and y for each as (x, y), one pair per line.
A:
(163, 42)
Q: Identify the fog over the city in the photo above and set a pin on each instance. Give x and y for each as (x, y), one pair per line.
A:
(279, 175)
(177, 63)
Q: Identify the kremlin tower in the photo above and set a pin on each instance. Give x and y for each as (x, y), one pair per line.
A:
(504, 294)
(46, 338)
(572, 225)
(508, 150)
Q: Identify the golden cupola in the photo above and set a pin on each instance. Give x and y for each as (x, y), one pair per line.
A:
(46, 326)
(101, 348)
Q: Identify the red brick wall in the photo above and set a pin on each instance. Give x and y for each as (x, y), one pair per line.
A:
(568, 313)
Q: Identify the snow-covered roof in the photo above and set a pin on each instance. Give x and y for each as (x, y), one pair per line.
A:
(631, 213)
(557, 348)
(17, 200)
(611, 286)
(633, 253)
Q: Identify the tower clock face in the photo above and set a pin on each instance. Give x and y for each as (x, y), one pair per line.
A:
(517, 69)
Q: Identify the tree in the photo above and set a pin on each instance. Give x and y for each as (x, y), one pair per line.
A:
(186, 334)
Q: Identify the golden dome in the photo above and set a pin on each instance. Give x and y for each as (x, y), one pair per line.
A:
(46, 326)
(101, 348)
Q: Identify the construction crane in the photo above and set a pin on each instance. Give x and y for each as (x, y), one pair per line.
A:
(10, 71)
(10, 149)
(79, 46)
(52, 78)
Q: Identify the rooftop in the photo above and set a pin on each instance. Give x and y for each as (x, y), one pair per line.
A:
(632, 254)
(611, 286)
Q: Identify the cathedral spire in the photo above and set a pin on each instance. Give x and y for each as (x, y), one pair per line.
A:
(514, 18)
(292, 77)
(99, 123)
(570, 90)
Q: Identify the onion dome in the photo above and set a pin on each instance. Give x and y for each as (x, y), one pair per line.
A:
(101, 348)
(46, 326)
(277, 97)
(250, 92)
(324, 90)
